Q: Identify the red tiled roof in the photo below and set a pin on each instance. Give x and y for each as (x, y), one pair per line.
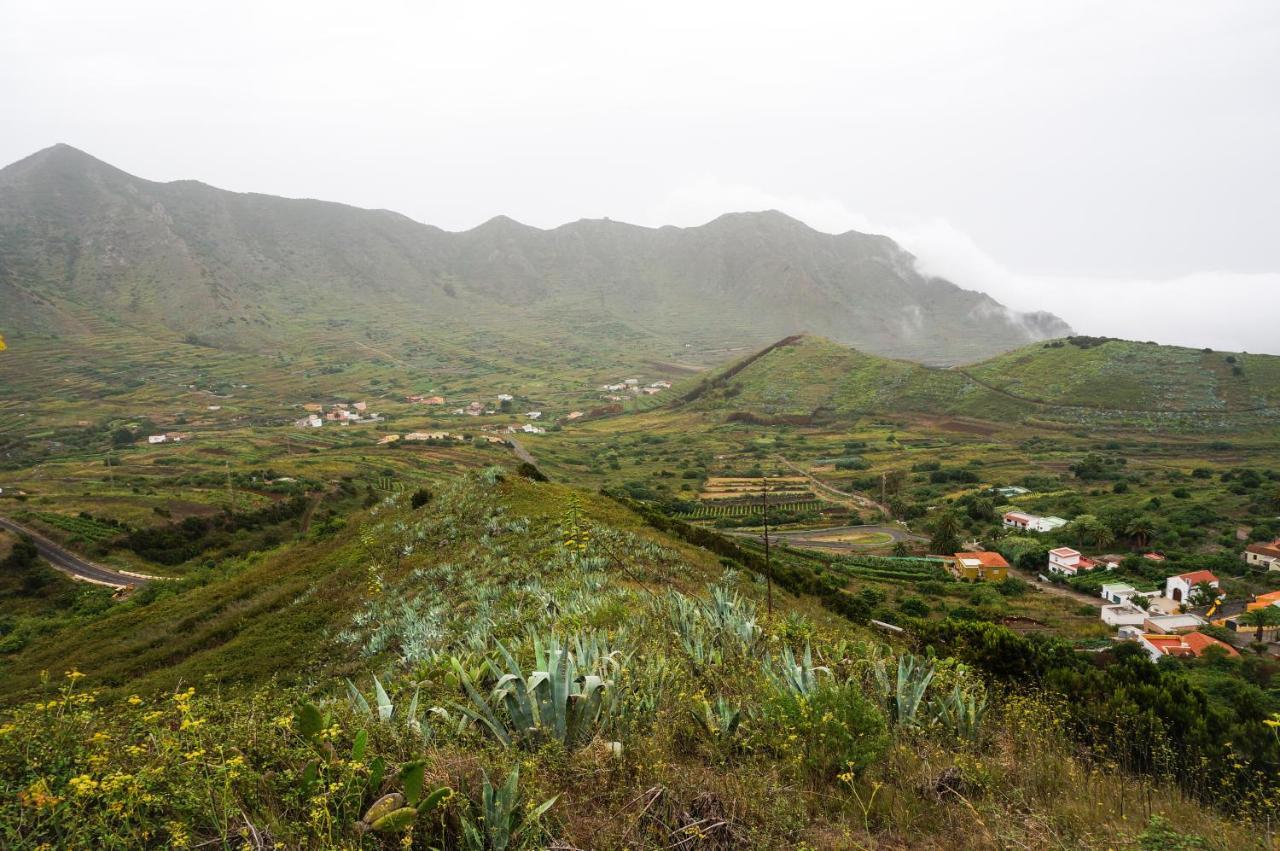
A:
(1272, 549)
(1191, 644)
(986, 559)
(1195, 577)
(1064, 551)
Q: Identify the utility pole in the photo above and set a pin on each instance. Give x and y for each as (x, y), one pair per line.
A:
(768, 566)
(231, 493)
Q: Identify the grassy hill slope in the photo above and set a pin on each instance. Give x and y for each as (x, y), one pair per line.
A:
(1116, 381)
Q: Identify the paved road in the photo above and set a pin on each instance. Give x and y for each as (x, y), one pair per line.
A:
(813, 538)
(73, 564)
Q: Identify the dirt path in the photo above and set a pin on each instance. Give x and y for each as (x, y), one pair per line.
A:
(1058, 590)
(848, 500)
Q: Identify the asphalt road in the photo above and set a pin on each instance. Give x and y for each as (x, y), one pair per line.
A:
(69, 562)
(813, 538)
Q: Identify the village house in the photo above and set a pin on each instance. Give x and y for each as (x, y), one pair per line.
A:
(1192, 645)
(1069, 562)
(361, 406)
(156, 438)
(979, 567)
(1263, 556)
(1011, 491)
(530, 428)
(1123, 592)
(1179, 588)
(390, 438)
(1123, 614)
(1271, 598)
(313, 421)
(534, 415)
(661, 385)
(506, 397)
(1168, 624)
(1031, 522)
(313, 407)
(573, 415)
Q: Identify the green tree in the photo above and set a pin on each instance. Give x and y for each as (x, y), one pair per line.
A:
(946, 533)
(1141, 528)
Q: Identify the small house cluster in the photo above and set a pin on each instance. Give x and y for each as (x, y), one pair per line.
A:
(633, 387)
(356, 412)
(168, 437)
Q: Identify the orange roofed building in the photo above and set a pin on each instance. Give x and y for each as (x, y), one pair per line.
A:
(1189, 646)
(979, 567)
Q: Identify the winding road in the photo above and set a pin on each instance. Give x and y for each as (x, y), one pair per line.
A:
(69, 562)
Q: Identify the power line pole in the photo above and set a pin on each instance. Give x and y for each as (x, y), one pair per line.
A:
(231, 493)
(768, 566)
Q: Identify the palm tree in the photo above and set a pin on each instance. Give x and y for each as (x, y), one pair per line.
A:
(946, 533)
(1266, 616)
(1141, 528)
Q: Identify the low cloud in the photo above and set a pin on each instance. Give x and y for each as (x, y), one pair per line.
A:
(1224, 310)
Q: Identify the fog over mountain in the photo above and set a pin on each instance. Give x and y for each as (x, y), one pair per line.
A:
(1111, 163)
(84, 241)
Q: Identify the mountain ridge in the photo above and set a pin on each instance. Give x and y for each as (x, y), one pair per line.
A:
(236, 268)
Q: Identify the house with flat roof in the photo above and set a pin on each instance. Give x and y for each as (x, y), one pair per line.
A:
(1170, 624)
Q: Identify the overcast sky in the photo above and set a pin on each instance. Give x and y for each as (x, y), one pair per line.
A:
(1115, 162)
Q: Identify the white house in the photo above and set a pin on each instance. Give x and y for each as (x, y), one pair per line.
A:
(1179, 587)
(1032, 522)
(1068, 562)
(534, 415)
(530, 428)
(505, 397)
(1123, 592)
(156, 438)
(1263, 556)
(1124, 614)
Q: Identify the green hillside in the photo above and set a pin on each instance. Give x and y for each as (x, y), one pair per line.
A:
(812, 379)
(584, 653)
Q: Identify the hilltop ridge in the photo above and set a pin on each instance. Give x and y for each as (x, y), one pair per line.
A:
(809, 376)
(84, 239)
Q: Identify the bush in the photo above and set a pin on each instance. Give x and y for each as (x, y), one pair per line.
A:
(914, 607)
(834, 729)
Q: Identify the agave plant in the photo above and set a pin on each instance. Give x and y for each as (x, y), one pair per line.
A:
(961, 712)
(501, 822)
(553, 702)
(719, 720)
(799, 676)
(904, 695)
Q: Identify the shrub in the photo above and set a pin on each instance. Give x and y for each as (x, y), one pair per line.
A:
(836, 729)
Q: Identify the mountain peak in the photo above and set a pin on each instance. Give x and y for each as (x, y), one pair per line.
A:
(59, 159)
